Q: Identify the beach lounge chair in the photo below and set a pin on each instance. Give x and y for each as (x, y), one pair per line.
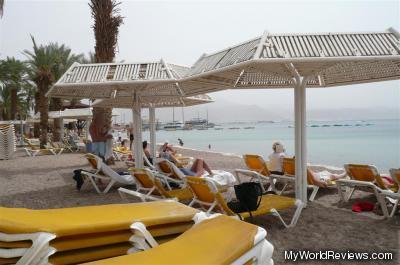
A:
(361, 176)
(121, 154)
(216, 240)
(257, 169)
(33, 150)
(289, 171)
(87, 233)
(171, 170)
(393, 194)
(68, 146)
(366, 176)
(101, 171)
(150, 187)
(206, 194)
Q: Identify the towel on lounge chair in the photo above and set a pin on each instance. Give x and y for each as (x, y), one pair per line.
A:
(222, 178)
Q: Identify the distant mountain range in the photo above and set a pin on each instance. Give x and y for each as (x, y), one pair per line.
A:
(225, 111)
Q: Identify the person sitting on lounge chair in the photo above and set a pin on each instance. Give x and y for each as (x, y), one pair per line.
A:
(276, 159)
(166, 151)
(146, 151)
(320, 179)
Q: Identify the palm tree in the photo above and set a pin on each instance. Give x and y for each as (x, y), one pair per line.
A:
(13, 77)
(5, 100)
(106, 23)
(41, 62)
(1, 7)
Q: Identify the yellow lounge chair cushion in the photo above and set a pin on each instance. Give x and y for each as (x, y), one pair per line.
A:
(92, 219)
(100, 239)
(181, 194)
(4, 261)
(89, 254)
(219, 240)
(16, 244)
(270, 201)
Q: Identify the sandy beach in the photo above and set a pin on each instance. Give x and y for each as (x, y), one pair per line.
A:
(326, 224)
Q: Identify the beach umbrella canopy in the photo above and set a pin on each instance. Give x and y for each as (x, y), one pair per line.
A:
(151, 82)
(153, 102)
(81, 114)
(298, 61)
(115, 80)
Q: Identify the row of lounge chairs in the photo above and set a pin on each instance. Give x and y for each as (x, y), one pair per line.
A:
(54, 148)
(162, 232)
(360, 176)
(202, 192)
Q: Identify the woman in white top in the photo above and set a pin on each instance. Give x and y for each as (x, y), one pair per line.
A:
(276, 159)
(320, 179)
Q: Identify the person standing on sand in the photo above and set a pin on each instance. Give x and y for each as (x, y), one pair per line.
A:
(99, 138)
(108, 155)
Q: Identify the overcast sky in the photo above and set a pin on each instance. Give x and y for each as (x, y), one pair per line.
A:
(181, 31)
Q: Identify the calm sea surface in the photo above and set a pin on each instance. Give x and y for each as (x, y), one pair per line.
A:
(331, 143)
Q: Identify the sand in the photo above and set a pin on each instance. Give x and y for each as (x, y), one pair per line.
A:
(326, 224)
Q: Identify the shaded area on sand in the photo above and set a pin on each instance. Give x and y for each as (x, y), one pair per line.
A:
(326, 224)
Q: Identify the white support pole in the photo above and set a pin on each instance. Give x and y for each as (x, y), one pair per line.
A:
(137, 124)
(152, 120)
(62, 128)
(88, 121)
(300, 138)
(21, 131)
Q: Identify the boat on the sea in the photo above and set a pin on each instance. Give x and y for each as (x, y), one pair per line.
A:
(172, 126)
(234, 128)
(249, 127)
(314, 125)
(199, 123)
(326, 125)
(218, 128)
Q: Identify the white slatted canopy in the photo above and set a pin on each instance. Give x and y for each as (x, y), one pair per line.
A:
(298, 61)
(155, 102)
(106, 80)
(272, 61)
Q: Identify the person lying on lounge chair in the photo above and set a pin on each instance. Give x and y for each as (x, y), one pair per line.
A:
(198, 168)
(324, 178)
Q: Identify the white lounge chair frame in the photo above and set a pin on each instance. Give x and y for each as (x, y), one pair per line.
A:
(33, 152)
(393, 197)
(40, 248)
(109, 175)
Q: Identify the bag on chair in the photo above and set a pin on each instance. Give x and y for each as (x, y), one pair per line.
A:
(248, 195)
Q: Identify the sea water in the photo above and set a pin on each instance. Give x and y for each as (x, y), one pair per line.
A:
(332, 143)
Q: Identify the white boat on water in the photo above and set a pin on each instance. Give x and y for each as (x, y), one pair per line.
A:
(175, 125)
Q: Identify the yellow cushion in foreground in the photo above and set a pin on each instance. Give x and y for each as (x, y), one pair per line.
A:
(220, 240)
(92, 219)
